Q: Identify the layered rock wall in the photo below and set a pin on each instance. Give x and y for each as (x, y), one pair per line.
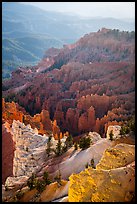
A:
(8, 148)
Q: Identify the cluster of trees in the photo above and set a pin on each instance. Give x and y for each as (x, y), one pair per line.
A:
(128, 126)
(60, 149)
(34, 182)
(83, 143)
(40, 185)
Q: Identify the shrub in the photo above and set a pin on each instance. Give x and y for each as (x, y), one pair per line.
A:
(19, 194)
(124, 130)
(31, 183)
(48, 150)
(40, 185)
(92, 163)
(46, 178)
(58, 150)
(58, 178)
(84, 143)
(64, 148)
(131, 124)
(69, 141)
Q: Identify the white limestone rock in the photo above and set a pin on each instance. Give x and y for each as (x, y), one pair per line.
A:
(115, 130)
(94, 136)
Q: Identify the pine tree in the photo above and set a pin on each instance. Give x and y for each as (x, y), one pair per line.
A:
(111, 135)
(69, 141)
(84, 143)
(32, 181)
(46, 178)
(58, 147)
(58, 178)
(48, 150)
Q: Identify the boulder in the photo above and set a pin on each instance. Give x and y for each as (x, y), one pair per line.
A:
(16, 181)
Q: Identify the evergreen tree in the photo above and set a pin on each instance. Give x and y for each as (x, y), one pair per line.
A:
(58, 178)
(111, 135)
(69, 141)
(40, 185)
(58, 147)
(84, 143)
(48, 150)
(31, 183)
(46, 178)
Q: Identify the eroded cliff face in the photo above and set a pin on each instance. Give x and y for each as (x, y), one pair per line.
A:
(84, 86)
(24, 150)
(30, 148)
(113, 180)
(12, 111)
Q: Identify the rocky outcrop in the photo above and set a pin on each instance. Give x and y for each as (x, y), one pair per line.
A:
(118, 156)
(94, 136)
(12, 111)
(91, 185)
(26, 151)
(30, 149)
(113, 180)
(16, 182)
(45, 119)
